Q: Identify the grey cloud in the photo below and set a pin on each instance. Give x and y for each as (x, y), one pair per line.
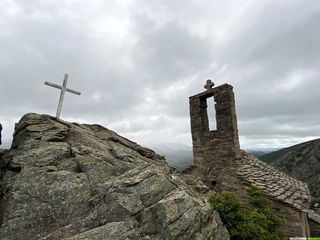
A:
(137, 63)
(169, 53)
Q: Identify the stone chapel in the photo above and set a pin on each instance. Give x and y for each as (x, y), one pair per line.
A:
(222, 165)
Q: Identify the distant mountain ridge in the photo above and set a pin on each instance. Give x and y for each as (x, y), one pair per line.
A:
(177, 155)
(258, 152)
(301, 161)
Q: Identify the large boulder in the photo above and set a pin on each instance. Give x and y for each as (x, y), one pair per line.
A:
(65, 180)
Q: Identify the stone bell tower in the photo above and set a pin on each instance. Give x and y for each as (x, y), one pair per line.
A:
(215, 152)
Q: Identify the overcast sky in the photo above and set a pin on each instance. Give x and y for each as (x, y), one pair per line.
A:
(137, 62)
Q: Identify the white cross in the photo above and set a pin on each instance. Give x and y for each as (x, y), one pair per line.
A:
(209, 84)
(63, 89)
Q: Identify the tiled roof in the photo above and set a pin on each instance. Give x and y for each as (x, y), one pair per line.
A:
(274, 183)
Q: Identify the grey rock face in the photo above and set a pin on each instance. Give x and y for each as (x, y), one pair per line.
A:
(72, 181)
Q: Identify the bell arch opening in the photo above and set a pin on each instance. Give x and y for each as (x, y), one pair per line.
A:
(211, 112)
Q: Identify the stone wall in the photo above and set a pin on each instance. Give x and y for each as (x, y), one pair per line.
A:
(314, 228)
(314, 223)
(295, 221)
(215, 151)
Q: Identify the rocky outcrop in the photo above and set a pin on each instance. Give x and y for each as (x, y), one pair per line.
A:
(72, 181)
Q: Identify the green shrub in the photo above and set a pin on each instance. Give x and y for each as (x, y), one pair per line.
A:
(254, 221)
(257, 199)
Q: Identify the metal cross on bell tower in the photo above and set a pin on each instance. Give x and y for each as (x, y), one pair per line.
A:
(209, 84)
(63, 89)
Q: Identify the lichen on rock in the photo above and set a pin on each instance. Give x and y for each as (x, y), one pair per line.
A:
(64, 180)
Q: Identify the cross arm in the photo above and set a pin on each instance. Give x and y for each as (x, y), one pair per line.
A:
(59, 87)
